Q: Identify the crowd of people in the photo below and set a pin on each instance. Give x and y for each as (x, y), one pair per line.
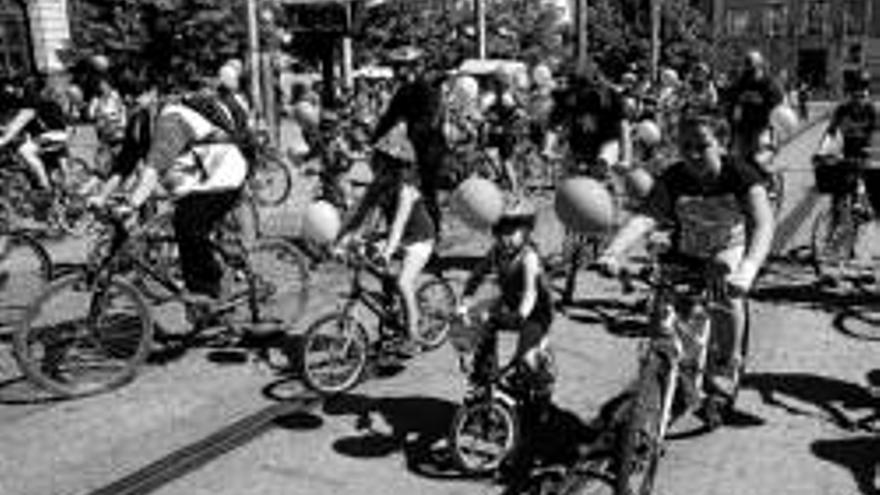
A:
(708, 145)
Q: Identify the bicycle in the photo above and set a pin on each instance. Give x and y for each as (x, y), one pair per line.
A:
(25, 268)
(337, 349)
(673, 365)
(837, 231)
(489, 427)
(72, 354)
(65, 213)
(269, 179)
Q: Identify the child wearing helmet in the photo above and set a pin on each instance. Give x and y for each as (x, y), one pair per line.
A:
(525, 303)
(411, 229)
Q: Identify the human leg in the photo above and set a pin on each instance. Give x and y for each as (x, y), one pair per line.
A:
(729, 324)
(415, 259)
(195, 216)
(30, 152)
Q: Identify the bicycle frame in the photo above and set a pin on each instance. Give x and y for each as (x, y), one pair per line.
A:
(677, 343)
(379, 302)
(121, 254)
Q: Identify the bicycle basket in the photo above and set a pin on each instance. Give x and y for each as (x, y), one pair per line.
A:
(833, 175)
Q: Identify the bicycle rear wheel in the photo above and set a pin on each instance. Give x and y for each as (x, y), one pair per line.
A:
(335, 349)
(271, 181)
(80, 338)
(832, 246)
(25, 268)
(437, 301)
(282, 280)
(482, 435)
(639, 449)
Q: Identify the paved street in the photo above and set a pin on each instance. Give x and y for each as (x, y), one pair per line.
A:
(806, 380)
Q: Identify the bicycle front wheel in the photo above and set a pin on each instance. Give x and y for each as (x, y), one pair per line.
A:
(639, 449)
(833, 246)
(271, 182)
(25, 268)
(437, 302)
(80, 338)
(335, 349)
(281, 280)
(483, 434)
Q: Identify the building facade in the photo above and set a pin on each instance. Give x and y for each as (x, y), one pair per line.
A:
(31, 34)
(819, 42)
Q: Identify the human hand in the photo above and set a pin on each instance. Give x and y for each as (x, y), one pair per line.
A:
(608, 265)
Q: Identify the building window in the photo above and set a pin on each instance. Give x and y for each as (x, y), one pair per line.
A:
(15, 46)
(816, 18)
(776, 20)
(737, 22)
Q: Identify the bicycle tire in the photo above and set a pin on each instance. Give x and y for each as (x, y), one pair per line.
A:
(271, 181)
(585, 481)
(437, 302)
(639, 449)
(160, 250)
(480, 423)
(48, 359)
(25, 269)
(282, 278)
(346, 334)
(823, 256)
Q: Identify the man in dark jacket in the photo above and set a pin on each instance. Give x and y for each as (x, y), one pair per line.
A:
(418, 103)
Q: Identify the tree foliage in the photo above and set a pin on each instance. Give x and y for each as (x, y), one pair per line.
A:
(180, 40)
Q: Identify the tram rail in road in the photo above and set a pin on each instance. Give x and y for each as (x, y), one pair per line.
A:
(191, 457)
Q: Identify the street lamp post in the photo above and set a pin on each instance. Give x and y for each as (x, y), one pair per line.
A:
(480, 21)
(581, 18)
(254, 56)
(656, 21)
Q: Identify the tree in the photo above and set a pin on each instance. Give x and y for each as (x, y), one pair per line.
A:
(182, 41)
(527, 30)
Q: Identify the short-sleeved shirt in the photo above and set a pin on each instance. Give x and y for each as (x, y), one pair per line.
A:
(751, 102)
(511, 279)
(856, 122)
(419, 226)
(706, 216)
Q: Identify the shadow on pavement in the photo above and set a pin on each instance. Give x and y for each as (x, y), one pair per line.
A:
(835, 399)
(416, 426)
(859, 455)
(620, 318)
(18, 391)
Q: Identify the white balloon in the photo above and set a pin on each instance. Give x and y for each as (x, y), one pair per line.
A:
(784, 117)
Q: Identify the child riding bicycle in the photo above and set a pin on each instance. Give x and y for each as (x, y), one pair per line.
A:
(395, 192)
(525, 304)
(718, 208)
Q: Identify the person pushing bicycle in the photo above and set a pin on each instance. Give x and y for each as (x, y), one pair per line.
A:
(525, 304)
(719, 210)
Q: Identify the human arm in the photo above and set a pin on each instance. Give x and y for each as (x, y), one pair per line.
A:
(531, 272)
(363, 209)
(635, 229)
(394, 114)
(22, 118)
(760, 240)
(170, 138)
(475, 279)
(831, 131)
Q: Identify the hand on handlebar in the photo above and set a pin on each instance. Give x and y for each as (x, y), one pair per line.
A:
(608, 265)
